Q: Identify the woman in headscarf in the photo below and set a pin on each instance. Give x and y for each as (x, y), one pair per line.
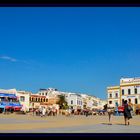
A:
(127, 113)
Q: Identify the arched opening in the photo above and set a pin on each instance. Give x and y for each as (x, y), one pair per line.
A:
(38, 99)
(129, 91)
(122, 91)
(135, 90)
(122, 101)
(136, 101)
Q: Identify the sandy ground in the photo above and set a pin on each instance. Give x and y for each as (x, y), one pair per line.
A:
(28, 122)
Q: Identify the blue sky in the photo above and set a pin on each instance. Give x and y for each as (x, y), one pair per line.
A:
(74, 49)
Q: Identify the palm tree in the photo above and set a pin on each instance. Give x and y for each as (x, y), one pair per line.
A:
(62, 102)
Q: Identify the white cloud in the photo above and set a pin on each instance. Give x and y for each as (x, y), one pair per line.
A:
(8, 58)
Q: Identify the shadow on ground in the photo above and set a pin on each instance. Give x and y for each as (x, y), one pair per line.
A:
(112, 124)
(120, 124)
(107, 123)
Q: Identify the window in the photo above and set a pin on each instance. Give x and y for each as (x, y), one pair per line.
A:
(135, 90)
(38, 99)
(42, 93)
(46, 100)
(110, 95)
(71, 101)
(22, 98)
(122, 101)
(46, 94)
(30, 99)
(116, 95)
(110, 102)
(41, 100)
(39, 93)
(129, 91)
(33, 99)
(122, 91)
(136, 101)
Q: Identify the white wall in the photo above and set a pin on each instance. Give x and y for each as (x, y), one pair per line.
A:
(26, 102)
(114, 99)
(77, 100)
(131, 96)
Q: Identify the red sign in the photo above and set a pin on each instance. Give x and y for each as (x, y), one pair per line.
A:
(121, 108)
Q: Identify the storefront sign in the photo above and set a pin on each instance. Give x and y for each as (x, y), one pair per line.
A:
(131, 96)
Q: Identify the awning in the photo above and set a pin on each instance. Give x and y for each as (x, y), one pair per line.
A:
(8, 95)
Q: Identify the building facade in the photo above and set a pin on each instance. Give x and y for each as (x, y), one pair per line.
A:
(101, 104)
(113, 95)
(24, 99)
(129, 89)
(38, 100)
(74, 101)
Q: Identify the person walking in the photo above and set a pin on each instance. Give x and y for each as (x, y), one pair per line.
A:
(110, 111)
(43, 112)
(127, 113)
(131, 106)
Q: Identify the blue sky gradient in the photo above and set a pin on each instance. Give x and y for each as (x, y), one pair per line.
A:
(72, 49)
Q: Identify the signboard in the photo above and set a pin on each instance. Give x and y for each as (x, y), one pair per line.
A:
(131, 96)
(137, 86)
(130, 80)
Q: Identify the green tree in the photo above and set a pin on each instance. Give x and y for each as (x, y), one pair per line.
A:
(62, 102)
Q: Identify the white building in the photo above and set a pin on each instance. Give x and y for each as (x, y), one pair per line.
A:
(50, 92)
(130, 89)
(87, 101)
(24, 97)
(101, 103)
(74, 100)
(92, 102)
(113, 95)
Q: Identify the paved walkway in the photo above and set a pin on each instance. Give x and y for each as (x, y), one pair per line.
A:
(99, 128)
(62, 124)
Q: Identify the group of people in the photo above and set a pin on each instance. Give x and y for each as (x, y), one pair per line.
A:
(43, 111)
(127, 112)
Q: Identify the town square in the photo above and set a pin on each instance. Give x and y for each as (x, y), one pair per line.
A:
(62, 124)
(69, 70)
